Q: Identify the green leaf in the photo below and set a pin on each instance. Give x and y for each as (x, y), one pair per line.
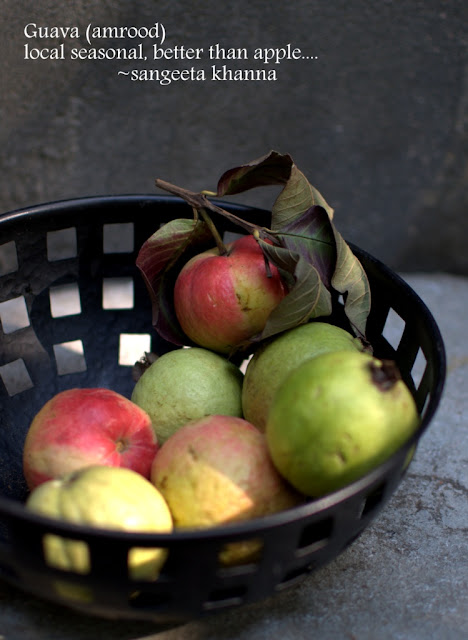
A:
(314, 238)
(297, 196)
(311, 235)
(159, 261)
(351, 280)
(307, 298)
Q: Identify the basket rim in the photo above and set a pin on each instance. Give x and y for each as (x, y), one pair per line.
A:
(48, 207)
(316, 506)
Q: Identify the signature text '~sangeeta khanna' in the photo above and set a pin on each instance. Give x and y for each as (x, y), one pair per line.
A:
(220, 74)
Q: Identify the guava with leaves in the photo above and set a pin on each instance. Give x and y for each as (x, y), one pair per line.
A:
(222, 300)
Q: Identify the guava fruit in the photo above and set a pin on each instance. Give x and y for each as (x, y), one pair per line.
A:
(112, 498)
(217, 470)
(336, 417)
(275, 359)
(87, 426)
(221, 301)
(186, 384)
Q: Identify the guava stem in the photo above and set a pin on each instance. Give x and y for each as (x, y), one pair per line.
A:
(215, 233)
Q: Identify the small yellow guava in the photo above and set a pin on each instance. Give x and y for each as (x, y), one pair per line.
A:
(114, 498)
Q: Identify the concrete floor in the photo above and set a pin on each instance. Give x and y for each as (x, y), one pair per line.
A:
(405, 578)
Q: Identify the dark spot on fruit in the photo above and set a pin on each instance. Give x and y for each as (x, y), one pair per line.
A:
(384, 375)
(193, 453)
(243, 304)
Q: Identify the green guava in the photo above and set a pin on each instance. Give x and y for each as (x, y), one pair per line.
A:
(274, 360)
(336, 417)
(187, 384)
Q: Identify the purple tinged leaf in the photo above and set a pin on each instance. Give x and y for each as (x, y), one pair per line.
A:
(311, 235)
(275, 168)
(307, 298)
(158, 262)
(313, 238)
(272, 168)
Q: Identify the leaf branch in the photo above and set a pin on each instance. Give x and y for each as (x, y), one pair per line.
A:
(200, 202)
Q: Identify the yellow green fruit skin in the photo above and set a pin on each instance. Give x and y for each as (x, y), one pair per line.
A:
(113, 498)
(217, 470)
(330, 424)
(188, 384)
(271, 364)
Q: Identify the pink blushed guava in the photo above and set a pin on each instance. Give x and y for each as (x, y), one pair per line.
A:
(86, 426)
(221, 301)
(216, 471)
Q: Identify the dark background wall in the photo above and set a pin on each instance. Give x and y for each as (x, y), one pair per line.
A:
(378, 122)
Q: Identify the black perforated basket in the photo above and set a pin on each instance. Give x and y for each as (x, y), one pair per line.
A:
(62, 326)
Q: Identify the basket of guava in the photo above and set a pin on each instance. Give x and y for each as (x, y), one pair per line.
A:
(201, 401)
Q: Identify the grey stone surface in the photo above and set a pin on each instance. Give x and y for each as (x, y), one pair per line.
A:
(378, 122)
(405, 578)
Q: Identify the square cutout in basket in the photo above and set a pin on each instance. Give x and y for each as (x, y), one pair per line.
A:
(69, 357)
(117, 293)
(142, 599)
(373, 499)
(61, 244)
(314, 535)
(118, 237)
(65, 300)
(419, 368)
(294, 576)
(8, 258)
(132, 347)
(225, 597)
(393, 328)
(15, 377)
(58, 550)
(14, 314)
(145, 563)
(240, 553)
